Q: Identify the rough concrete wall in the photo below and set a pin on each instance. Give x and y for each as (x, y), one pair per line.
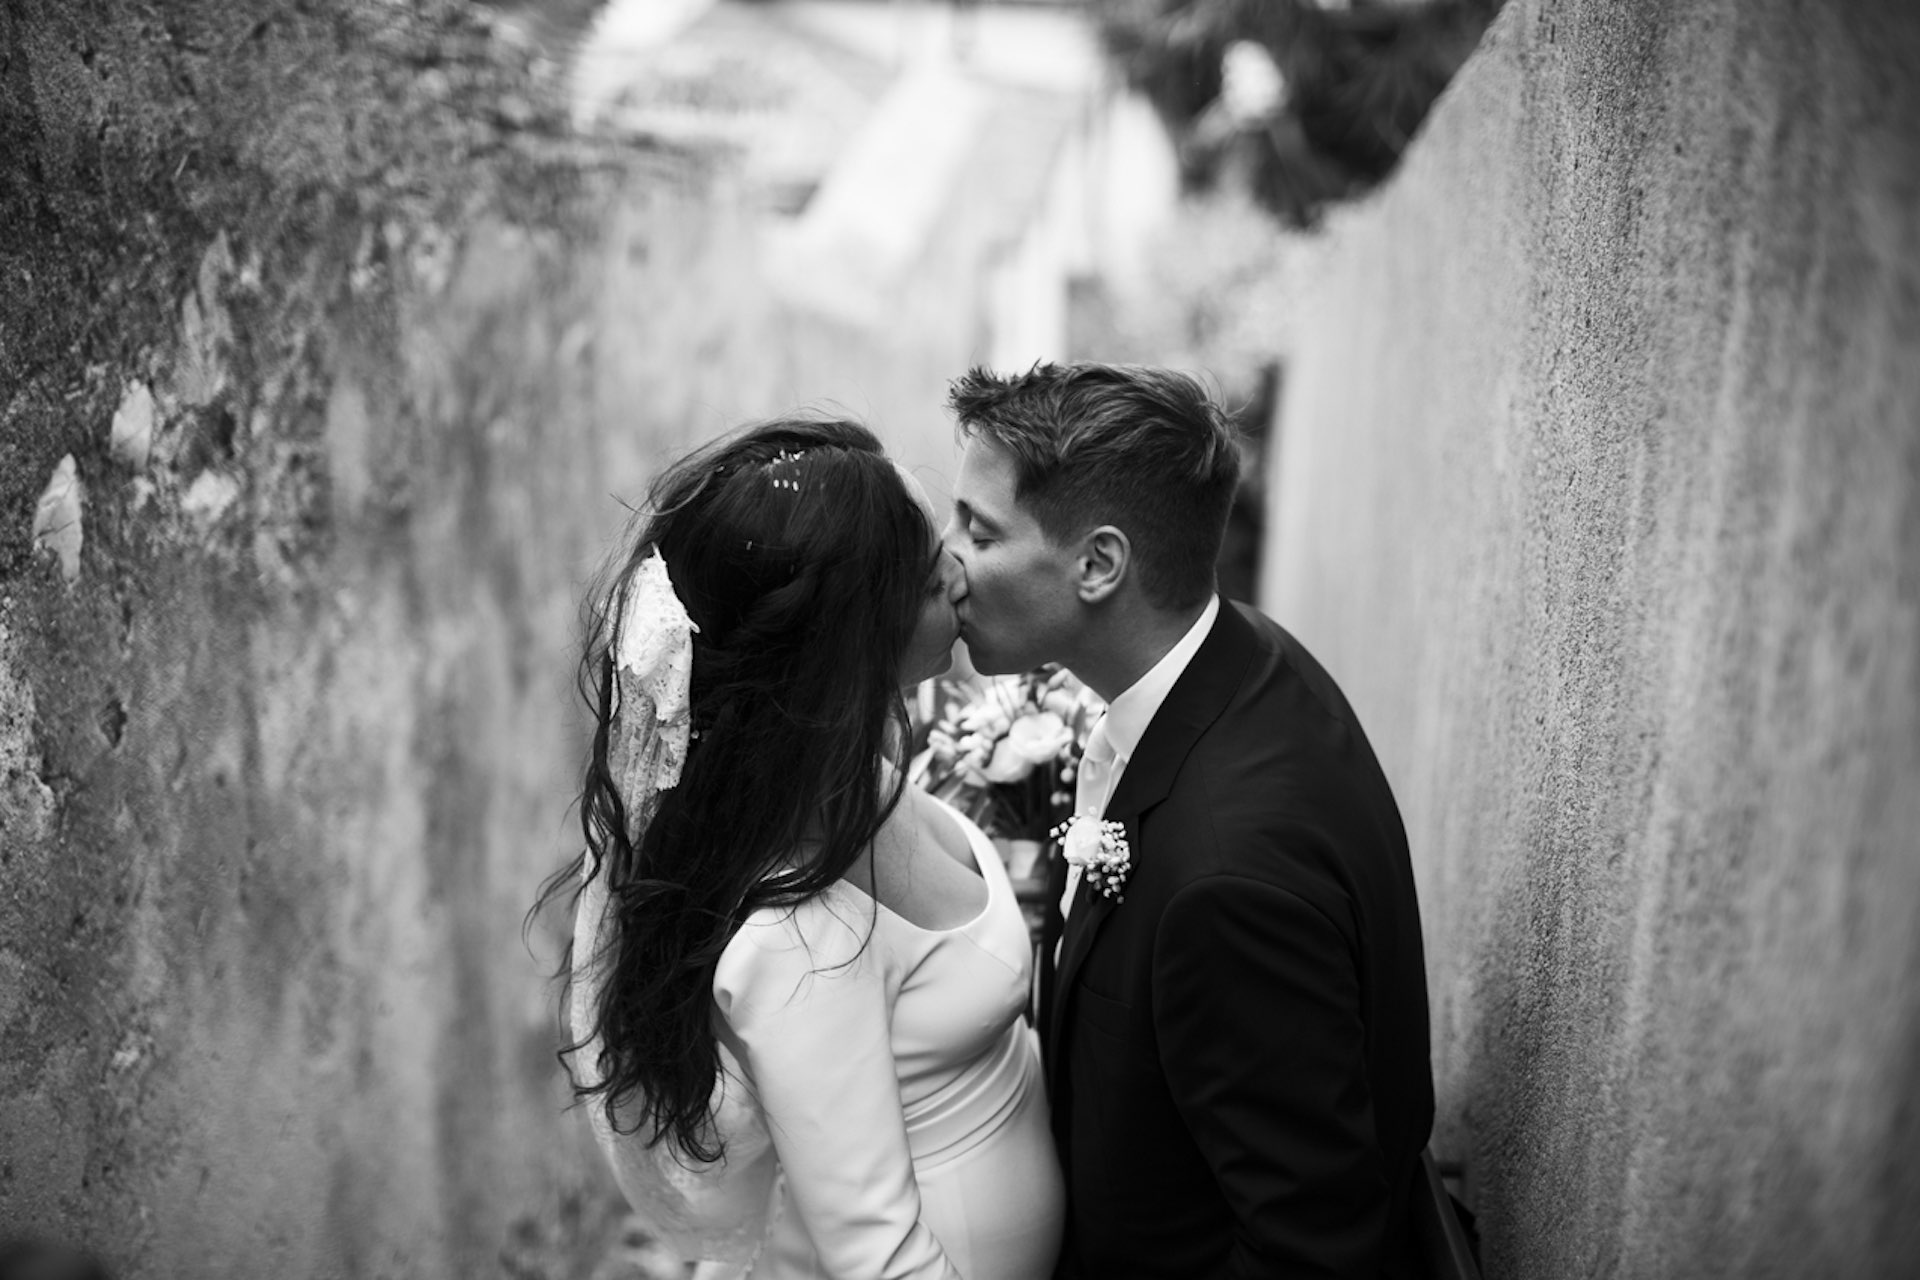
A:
(1600, 493)
(347, 356)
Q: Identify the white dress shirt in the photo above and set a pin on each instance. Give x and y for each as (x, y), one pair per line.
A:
(1127, 718)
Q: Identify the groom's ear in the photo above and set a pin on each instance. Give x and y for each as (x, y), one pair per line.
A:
(1105, 557)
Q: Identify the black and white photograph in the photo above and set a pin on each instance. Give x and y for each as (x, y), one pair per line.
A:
(959, 640)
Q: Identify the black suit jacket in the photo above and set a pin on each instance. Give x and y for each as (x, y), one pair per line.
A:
(1237, 1051)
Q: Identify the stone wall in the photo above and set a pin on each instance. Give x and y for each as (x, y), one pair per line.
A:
(324, 359)
(1600, 493)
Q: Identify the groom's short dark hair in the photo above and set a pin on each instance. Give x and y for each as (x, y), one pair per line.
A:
(1141, 448)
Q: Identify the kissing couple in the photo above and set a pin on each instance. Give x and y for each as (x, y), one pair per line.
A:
(799, 988)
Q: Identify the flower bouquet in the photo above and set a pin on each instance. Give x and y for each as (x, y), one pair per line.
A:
(1004, 751)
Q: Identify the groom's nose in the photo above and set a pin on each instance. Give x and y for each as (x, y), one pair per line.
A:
(956, 577)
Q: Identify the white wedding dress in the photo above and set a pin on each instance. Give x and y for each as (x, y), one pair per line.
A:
(888, 1117)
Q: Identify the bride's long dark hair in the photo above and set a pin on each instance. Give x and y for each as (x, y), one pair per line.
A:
(805, 576)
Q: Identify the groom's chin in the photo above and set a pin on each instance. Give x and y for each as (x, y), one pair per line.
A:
(982, 661)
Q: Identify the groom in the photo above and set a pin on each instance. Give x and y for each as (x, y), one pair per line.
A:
(1236, 1042)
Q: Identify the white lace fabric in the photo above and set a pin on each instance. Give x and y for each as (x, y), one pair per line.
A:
(651, 719)
(717, 1211)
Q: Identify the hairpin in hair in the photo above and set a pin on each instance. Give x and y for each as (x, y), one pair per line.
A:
(785, 457)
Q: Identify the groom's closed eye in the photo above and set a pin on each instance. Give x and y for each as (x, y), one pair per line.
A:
(976, 526)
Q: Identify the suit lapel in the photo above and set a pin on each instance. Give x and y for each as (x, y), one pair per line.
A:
(1090, 911)
(1194, 703)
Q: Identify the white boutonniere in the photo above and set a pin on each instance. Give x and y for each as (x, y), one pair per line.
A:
(1100, 850)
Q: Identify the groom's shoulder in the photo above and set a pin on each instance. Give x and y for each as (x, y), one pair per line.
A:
(1284, 696)
(1284, 764)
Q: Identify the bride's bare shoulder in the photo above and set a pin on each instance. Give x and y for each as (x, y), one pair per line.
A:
(923, 868)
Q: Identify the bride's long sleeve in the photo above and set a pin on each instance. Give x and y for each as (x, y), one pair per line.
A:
(809, 1002)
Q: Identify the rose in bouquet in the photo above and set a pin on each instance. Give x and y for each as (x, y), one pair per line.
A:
(1005, 749)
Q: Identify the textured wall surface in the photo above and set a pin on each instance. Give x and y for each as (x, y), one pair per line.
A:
(321, 358)
(1600, 493)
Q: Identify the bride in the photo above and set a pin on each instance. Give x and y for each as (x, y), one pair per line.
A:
(797, 985)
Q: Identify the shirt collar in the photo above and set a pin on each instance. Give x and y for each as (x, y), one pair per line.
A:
(1129, 714)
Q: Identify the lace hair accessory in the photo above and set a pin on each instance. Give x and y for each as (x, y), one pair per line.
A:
(715, 1212)
(650, 719)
